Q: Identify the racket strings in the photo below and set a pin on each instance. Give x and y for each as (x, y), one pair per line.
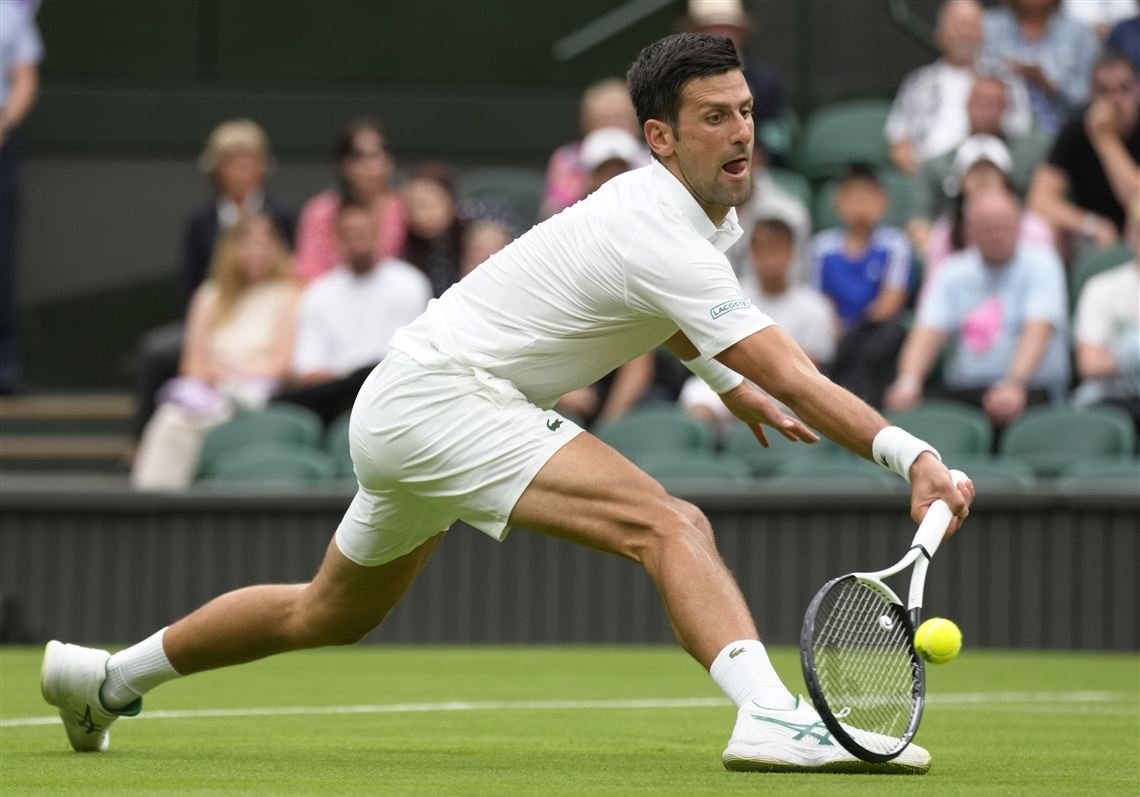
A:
(864, 664)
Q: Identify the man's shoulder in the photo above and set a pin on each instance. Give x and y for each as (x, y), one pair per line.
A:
(395, 271)
(827, 242)
(887, 237)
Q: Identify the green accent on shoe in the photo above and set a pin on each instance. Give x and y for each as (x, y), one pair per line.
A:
(808, 729)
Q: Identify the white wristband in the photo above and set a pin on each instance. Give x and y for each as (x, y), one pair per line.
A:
(896, 450)
(719, 377)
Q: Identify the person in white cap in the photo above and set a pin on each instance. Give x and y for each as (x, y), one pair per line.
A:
(982, 163)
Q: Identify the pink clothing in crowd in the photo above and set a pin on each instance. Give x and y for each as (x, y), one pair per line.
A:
(1035, 231)
(566, 179)
(317, 248)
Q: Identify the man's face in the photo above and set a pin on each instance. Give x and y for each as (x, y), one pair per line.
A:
(993, 223)
(960, 34)
(713, 142)
(356, 230)
(1117, 84)
(861, 203)
(771, 256)
(986, 106)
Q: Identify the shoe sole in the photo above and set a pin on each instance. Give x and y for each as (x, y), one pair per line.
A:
(735, 763)
(49, 676)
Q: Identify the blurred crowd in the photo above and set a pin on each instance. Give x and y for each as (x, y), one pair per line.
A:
(990, 257)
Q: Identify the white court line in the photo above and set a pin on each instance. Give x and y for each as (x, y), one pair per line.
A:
(1098, 702)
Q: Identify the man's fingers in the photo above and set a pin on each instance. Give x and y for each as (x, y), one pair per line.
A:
(758, 431)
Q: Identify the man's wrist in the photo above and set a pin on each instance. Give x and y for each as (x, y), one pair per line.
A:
(897, 449)
(715, 374)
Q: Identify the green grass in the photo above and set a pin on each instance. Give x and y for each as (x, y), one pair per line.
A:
(1039, 746)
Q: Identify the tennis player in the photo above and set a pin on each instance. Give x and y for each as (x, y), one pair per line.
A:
(455, 424)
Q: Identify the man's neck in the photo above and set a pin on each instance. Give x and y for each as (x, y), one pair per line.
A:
(855, 239)
(716, 213)
(773, 287)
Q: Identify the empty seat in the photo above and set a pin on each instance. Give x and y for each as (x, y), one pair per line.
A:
(765, 461)
(1052, 438)
(276, 423)
(647, 431)
(953, 428)
(696, 469)
(270, 463)
(1093, 262)
(995, 474)
(844, 473)
(1102, 474)
(843, 132)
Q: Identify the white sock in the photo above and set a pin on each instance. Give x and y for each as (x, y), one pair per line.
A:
(133, 672)
(744, 671)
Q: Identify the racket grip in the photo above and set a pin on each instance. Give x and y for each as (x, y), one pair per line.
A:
(933, 527)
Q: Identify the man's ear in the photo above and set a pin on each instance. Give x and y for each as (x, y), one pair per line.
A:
(659, 136)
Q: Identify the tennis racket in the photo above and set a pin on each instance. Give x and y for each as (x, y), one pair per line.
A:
(857, 650)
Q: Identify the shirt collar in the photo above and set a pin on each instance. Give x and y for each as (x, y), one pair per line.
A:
(677, 196)
(229, 212)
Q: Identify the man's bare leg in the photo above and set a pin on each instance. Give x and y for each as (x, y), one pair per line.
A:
(590, 494)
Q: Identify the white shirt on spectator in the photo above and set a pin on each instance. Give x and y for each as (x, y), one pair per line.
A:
(346, 320)
(930, 109)
(20, 41)
(1099, 12)
(1108, 315)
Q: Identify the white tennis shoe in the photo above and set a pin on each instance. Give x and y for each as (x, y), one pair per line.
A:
(69, 680)
(796, 740)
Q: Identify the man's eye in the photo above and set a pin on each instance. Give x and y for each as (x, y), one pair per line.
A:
(747, 112)
(713, 119)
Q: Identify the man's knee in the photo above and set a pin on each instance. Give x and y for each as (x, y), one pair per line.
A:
(674, 522)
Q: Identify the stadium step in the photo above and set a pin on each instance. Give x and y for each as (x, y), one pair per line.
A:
(71, 432)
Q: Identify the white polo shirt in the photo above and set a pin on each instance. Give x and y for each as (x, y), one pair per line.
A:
(590, 289)
(346, 320)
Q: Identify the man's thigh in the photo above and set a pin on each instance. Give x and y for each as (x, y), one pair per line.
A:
(590, 494)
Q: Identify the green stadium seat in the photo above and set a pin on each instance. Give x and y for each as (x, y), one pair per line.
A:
(336, 444)
(793, 183)
(742, 443)
(696, 469)
(651, 430)
(778, 136)
(272, 463)
(276, 423)
(839, 473)
(953, 428)
(1052, 438)
(898, 188)
(1092, 263)
(519, 191)
(838, 134)
(1102, 474)
(995, 474)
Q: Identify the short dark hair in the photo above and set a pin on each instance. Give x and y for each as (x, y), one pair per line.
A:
(1110, 58)
(346, 143)
(860, 171)
(662, 69)
(776, 227)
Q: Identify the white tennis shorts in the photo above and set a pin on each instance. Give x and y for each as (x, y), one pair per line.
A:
(435, 444)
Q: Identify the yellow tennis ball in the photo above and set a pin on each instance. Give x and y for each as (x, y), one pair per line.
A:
(938, 640)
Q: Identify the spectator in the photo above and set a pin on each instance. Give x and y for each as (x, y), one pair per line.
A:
(727, 18)
(604, 104)
(981, 164)
(770, 200)
(936, 182)
(239, 339)
(236, 158)
(1107, 332)
(1125, 37)
(799, 309)
(347, 317)
(21, 51)
(865, 269)
(1051, 52)
(929, 116)
(434, 227)
(1099, 15)
(1092, 171)
(482, 238)
(1004, 305)
(365, 168)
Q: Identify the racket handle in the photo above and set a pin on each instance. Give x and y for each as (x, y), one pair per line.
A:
(933, 527)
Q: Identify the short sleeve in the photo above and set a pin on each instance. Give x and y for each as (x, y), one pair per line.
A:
(1046, 300)
(900, 124)
(1093, 324)
(1063, 153)
(936, 309)
(29, 45)
(700, 294)
(899, 261)
(309, 352)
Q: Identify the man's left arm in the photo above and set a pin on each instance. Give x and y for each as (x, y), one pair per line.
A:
(1122, 172)
(22, 92)
(1005, 400)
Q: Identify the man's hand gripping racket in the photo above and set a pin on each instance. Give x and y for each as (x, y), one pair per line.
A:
(857, 649)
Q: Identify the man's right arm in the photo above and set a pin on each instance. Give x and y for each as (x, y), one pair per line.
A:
(1047, 198)
(917, 357)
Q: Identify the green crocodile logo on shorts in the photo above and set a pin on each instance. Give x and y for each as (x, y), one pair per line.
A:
(553, 425)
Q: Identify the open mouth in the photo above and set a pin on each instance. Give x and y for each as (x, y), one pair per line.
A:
(737, 167)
